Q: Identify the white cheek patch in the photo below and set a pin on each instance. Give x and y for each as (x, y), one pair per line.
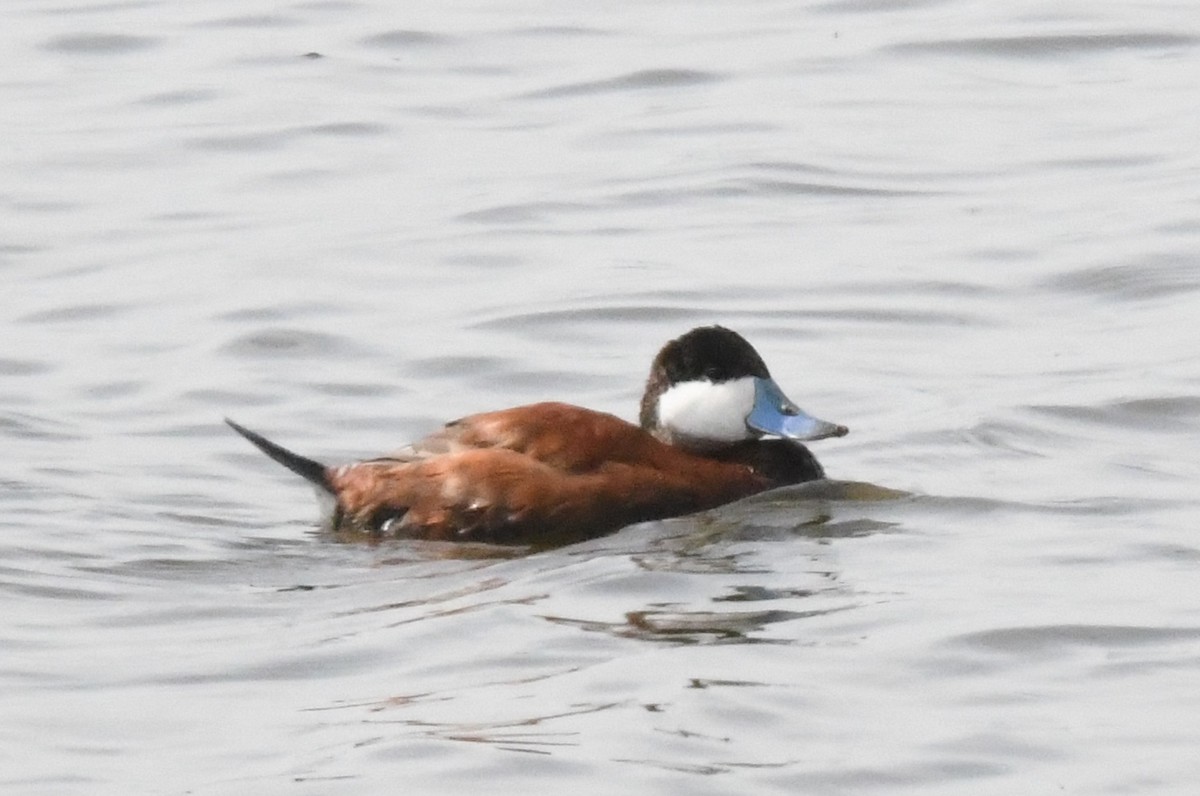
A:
(706, 411)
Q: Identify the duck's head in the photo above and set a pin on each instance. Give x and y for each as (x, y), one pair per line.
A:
(710, 389)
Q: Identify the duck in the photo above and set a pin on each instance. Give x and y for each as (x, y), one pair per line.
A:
(713, 427)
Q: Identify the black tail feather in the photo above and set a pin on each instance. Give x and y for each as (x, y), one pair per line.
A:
(308, 469)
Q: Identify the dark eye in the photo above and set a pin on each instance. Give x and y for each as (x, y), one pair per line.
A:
(712, 373)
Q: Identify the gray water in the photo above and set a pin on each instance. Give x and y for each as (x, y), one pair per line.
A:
(967, 230)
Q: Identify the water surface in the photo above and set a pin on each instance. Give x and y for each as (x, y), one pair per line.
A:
(966, 230)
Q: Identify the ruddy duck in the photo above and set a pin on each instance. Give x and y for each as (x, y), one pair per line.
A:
(552, 473)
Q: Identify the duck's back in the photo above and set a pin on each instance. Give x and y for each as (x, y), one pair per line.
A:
(540, 474)
(565, 437)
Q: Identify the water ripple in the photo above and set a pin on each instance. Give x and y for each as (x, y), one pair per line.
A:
(520, 213)
(644, 79)
(404, 39)
(285, 342)
(1168, 414)
(1050, 46)
(258, 141)
(251, 21)
(74, 313)
(349, 129)
(100, 44)
(1056, 638)
(23, 367)
(875, 6)
(607, 313)
(1152, 276)
(180, 97)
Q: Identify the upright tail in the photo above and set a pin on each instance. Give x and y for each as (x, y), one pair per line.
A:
(308, 469)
